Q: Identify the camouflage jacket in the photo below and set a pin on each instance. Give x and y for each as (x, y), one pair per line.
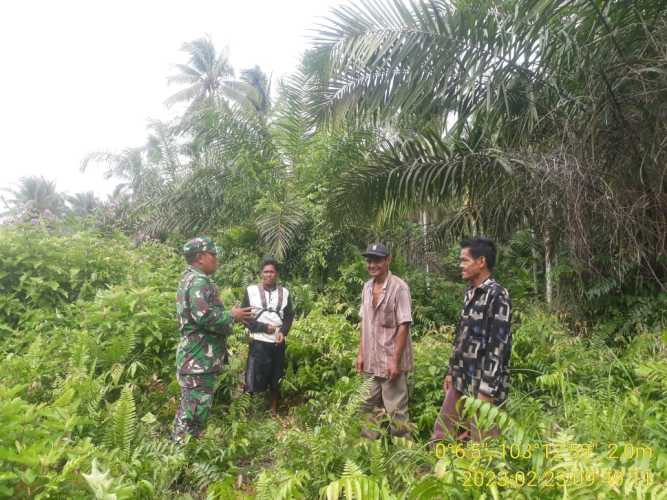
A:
(203, 322)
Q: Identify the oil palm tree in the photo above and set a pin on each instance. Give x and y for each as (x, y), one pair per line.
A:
(521, 112)
(164, 149)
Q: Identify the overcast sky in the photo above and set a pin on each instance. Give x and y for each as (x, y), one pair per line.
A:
(83, 76)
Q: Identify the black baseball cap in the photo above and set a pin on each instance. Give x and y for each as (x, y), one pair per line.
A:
(376, 250)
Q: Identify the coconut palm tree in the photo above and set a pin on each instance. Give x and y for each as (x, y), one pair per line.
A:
(256, 90)
(133, 167)
(82, 204)
(205, 75)
(33, 197)
(240, 169)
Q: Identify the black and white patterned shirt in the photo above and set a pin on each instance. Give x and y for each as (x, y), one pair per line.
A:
(483, 342)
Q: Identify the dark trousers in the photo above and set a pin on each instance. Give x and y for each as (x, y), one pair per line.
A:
(449, 423)
(266, 366)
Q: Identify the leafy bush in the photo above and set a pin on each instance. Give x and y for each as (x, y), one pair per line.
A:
(38, 455)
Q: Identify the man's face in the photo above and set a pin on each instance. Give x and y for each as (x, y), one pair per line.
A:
(470, 267)
(377, 266)
(207, 262)
(269, 275)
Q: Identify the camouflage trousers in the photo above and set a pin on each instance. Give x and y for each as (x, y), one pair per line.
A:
(196, 400)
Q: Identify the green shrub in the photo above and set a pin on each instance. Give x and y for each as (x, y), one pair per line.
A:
(43, 270)
(88, 392)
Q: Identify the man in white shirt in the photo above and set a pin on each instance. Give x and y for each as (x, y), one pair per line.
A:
(273, 316)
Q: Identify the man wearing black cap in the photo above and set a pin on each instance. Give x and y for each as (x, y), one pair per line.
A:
(385, 350)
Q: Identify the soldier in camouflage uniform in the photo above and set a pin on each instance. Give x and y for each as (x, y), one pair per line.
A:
(204, 326)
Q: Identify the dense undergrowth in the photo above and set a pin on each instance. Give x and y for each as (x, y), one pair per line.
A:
(87, 394)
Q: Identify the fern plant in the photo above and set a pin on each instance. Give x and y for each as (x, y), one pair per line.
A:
(123, 423)
(284, 487)
(654, 372)
(355, 485)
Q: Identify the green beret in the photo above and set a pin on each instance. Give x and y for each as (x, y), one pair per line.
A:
(200, 244)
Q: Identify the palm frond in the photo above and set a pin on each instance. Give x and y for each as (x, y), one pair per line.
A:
(278, 224)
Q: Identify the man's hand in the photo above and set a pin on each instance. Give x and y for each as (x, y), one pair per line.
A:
(393, 369)
(447, 384)
(280, 337)
(271, 328)
(360, 362)
(242, 313)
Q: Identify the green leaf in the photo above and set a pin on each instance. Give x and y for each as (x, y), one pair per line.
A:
(149, 418)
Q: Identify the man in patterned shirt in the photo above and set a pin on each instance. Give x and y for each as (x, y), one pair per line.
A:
(479, 364)
(204, 326)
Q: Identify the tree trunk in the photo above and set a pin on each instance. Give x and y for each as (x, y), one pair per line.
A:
(536, 259)
(548, 260)
(424, 224)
